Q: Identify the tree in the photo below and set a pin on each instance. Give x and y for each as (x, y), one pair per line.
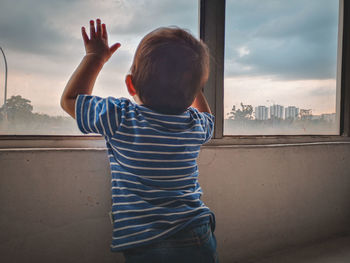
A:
(17, 107)
(21, 119)
(245, 113)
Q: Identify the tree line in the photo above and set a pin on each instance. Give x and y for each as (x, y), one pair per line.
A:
(17, 116)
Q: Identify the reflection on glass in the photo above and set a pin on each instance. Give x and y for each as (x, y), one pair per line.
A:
(280, 67)
(43, 46)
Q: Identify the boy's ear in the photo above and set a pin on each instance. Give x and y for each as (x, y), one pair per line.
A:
(130, 85)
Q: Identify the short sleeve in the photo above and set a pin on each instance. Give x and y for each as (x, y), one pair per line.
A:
(94, 114)
(208, 122)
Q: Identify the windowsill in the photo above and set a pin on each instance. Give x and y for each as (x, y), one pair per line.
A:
(96, 142)
(273, 140)
(52, 142)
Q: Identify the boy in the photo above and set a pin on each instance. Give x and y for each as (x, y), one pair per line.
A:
(152, 144)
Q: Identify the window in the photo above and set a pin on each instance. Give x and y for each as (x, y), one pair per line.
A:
(183, 13)
(281, 68)
(43, 45)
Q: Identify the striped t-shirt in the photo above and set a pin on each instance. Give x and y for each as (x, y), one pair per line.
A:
(155, 191)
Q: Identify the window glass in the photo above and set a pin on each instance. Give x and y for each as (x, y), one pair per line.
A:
(42, 43)
(281, 67)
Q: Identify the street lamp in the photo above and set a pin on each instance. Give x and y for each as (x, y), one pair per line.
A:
(3, 53)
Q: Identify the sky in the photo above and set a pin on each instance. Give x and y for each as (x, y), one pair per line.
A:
(281, 52)
(43, 44)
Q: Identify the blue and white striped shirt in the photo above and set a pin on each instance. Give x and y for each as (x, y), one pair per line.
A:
(155, 191)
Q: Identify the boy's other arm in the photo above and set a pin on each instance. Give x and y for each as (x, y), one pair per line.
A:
(200, 103)
(83, 79)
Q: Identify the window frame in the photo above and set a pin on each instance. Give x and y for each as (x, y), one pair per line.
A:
(212, 31)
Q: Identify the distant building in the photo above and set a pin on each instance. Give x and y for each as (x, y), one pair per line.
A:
(276, 111)
(316, 117)
(261, 113)
(330, 117)
(291, 113)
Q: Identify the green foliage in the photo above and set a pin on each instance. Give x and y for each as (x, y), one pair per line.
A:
(17, 108)
(17, 117)
(245, 113)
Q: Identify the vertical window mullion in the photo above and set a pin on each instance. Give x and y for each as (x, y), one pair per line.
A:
(345, 71)
(212, 32)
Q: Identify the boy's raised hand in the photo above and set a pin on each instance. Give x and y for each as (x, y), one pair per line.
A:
(97, 44)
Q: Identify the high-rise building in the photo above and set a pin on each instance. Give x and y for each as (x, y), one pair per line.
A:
(291, 113)
(276, 111)
(261, 113)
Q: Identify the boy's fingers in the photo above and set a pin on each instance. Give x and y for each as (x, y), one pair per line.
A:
(92, 29)
(104, 31)
(98, 27)
(114, 47)
(85, 36)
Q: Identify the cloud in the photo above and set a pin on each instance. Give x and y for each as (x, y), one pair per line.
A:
(325, 91)
(142, 16)
(50, 30)
(24, 26)
(285, 39)
(280, 40)
(243, 51)
(43, 44)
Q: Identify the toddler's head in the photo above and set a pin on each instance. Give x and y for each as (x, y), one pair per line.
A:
(170, 67)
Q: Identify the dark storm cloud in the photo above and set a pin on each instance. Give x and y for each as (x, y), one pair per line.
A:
(284, 39)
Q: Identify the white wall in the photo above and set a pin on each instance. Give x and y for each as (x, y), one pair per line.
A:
(54, 204)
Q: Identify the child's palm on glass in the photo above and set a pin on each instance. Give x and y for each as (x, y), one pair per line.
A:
(97, 44)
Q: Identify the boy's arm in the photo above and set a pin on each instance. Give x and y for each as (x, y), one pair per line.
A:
(200, 103)
(81, 82)
(83, 79)
(207, 121)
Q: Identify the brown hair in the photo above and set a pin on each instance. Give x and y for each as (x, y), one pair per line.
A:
(170, 66)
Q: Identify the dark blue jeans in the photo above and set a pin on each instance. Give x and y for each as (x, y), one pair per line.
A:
(190, 245)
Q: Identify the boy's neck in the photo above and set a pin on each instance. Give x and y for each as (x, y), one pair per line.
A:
(138, 100)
